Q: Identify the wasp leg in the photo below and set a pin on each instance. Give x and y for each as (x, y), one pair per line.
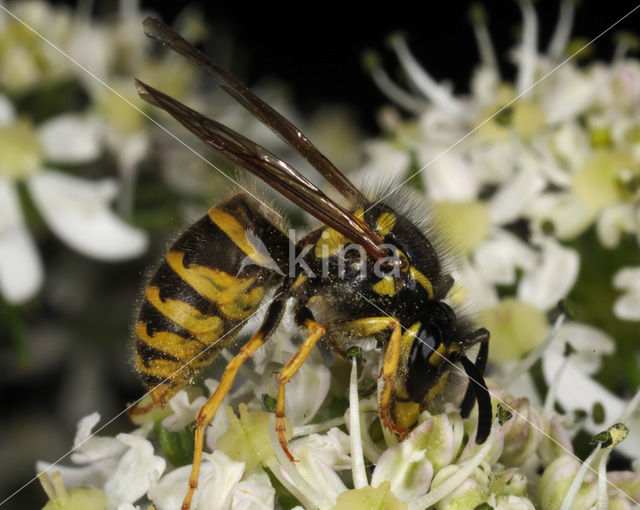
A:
(477, 383)
(481, 364)
(316, 331)
(389, 371)
(210, 407)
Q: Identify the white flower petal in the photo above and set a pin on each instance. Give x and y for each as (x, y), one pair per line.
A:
(332, 448)
(127, 506)
(184, 412)
(590, 343)
(567, 214)
(516, 194)
(137, 470)
(472, 289)
(94, 474)
(499, 257)
(170, 490)
(69, 138)
(570, 144)
(577, 391)
(90, 448)
(319, 457)
(384, 163)
(254, 493)
(77, 211)
(613, 222)
(569, 92)
(306, 391)
(21, 271)
(628, 305)
(553, 278)
(217, 492)
(448, 176)
(7, 113)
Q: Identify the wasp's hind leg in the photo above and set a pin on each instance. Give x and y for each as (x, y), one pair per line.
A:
(477, 388)
(209, 409)
(316, 331)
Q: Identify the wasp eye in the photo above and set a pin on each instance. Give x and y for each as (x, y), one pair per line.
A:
(421, 373)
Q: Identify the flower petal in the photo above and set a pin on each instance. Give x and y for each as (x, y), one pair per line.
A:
(217, 492)
(305, 392)
(590, 344)
(553, 278)
(564, 211)
(577, 391)
(448, 177)
(77, 211)
(90, 448)
(69, 138)
(7, 113)
(254, 493)
(613, 222)
(21, 271)
(628, 305)
(137, 470)
(516, 194)
(500, 256)
(216, 470)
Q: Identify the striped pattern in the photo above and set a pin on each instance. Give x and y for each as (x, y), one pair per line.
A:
(197, 299)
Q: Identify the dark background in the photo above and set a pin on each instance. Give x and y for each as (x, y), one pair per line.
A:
(317, 50)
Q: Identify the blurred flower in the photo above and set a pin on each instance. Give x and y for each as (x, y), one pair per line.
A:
(628, 305)
(76, 210)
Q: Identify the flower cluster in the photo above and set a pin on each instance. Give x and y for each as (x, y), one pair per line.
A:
(342, 458)
(525, 179)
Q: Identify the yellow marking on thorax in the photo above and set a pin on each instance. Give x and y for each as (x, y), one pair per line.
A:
(367, 326)
(437, 357)
(207, 328)
(237, 233)
(385, 223)
(330, 243)
(422, 280)
(386, 286)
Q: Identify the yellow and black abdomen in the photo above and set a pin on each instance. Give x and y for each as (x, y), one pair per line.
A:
(210, 281)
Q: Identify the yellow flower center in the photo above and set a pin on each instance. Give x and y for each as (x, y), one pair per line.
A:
(516, 328)
(20, 151)
(467, 223)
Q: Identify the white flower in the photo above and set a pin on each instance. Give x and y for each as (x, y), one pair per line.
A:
(218, 477)
(137, 471)
(77, 210)
(628, 305)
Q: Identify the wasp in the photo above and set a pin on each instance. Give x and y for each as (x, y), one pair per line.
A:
(369, 271)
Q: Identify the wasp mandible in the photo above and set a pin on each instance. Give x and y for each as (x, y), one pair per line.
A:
(204, 289)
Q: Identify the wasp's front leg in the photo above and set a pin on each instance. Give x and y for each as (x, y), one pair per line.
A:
(388, 374)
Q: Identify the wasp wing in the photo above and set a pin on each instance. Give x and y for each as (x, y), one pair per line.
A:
(262, 163)
(266, 114)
